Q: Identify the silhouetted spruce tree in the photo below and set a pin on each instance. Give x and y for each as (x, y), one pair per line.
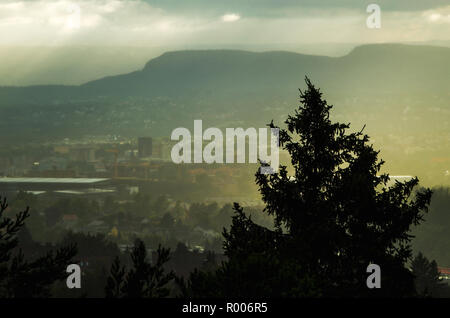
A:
(427, 281)
(334, 215)
(143, 280)
(21, 278)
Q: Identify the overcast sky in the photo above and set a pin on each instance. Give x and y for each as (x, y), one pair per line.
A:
(160, 23)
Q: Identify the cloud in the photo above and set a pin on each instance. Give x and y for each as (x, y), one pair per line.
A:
(161, 23)
(85, 22)
(439, 15)
(231, 17)
(264, 8)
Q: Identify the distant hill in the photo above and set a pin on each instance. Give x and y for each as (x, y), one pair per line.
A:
(386, 67)
(395, 89)
(400, 92)
(368, 69)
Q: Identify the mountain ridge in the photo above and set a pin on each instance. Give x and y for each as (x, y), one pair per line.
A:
(371, 67)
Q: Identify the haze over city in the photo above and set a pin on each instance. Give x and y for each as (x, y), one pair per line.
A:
(97, 98)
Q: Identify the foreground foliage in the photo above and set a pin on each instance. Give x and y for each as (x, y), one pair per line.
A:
(20, 277)
(334, 215)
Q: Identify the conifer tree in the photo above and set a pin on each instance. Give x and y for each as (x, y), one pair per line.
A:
(427, 278)
(334, 214)
(21, 277)
(143, 280)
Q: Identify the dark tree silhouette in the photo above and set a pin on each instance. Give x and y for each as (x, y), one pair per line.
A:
(143, 279)
(27, 278)
(427, 281)
(333, 216)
